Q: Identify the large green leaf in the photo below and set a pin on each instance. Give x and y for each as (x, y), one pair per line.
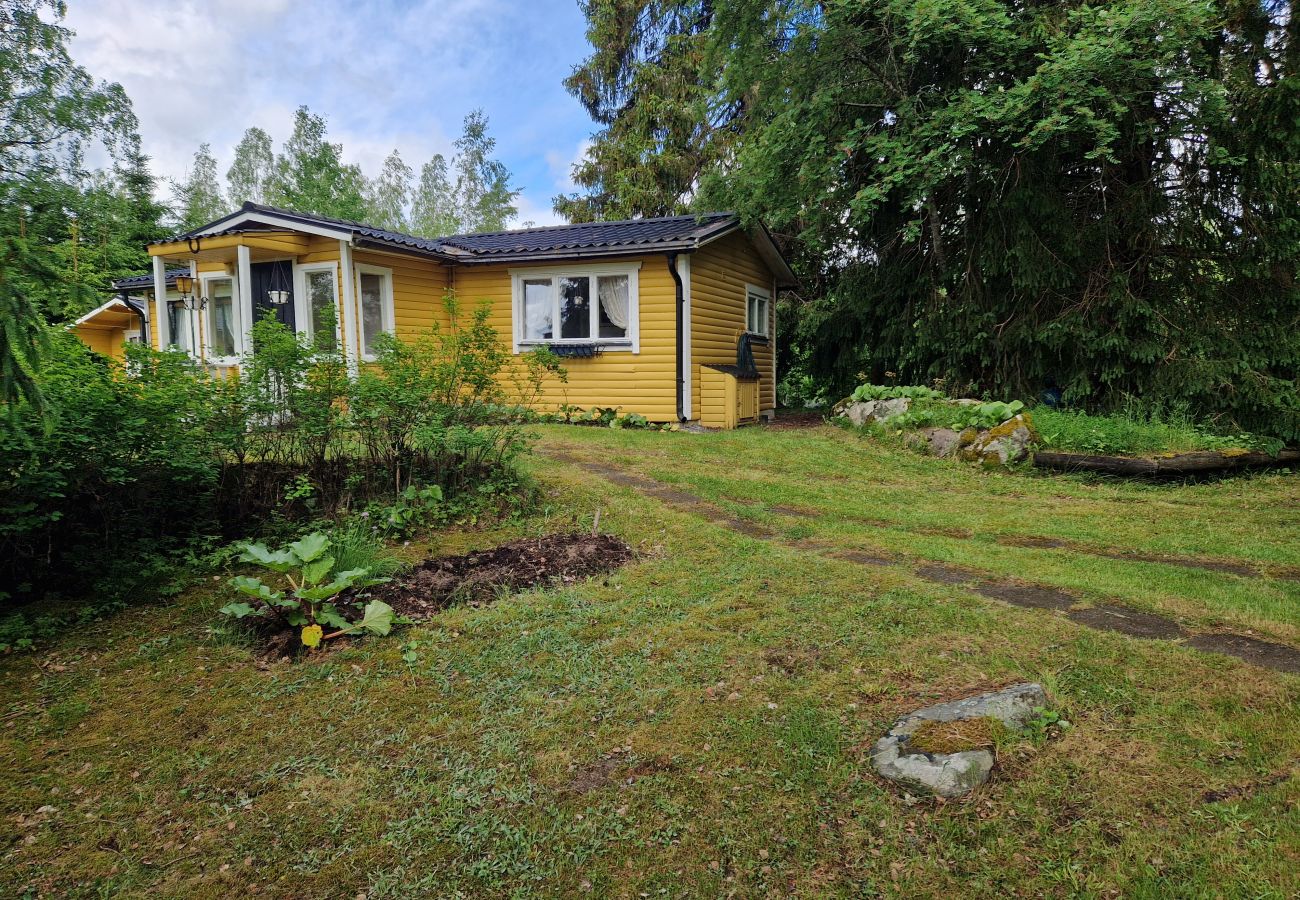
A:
(342, 581)
(237, 610)
(310, 547)
(278, 561)
(328, 615)
(253, 587)
(314, 571)
(378, 618)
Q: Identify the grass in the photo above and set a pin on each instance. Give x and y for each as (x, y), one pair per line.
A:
(698, 723)
(1121, 435)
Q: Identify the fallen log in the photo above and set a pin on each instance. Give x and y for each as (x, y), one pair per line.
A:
(1163, 466)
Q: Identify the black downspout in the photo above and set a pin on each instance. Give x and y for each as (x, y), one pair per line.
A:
(145, 337)
(681, 302)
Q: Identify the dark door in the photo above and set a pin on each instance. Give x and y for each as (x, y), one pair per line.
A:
(273, 276)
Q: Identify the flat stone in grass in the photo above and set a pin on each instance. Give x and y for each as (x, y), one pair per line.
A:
(905, 755)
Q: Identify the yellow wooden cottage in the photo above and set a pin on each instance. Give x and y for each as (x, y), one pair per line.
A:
(669, 317)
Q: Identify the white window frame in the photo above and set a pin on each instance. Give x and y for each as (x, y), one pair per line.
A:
(631, 343)
(238, 316)
(302, 299)
(388, 316)
(753, 291)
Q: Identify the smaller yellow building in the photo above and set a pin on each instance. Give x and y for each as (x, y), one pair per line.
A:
(673, 318)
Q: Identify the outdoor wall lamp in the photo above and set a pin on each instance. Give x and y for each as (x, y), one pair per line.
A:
(189, 300)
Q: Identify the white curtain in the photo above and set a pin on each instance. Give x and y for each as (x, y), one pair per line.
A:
(614, 299)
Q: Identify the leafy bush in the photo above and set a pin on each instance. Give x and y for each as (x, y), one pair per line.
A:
(123, 471)
(306, 600)
(865, 392)
(129, 469)
(446, 406)
(942, 414)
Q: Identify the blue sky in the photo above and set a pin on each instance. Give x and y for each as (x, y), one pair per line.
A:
(390, 74)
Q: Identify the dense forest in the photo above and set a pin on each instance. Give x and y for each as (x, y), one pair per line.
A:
(1099, 200)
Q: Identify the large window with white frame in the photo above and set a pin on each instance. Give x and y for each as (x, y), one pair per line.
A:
(758, 302)
(593, 304)
(374, 306)
(317, 311)
(224, 333)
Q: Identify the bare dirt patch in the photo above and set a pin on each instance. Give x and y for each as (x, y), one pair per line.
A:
(945, 574)
(1033, 541)
(1277, 657)
(1227, 567)
(1031, 596)
(1127, 621)
(1240, 791)
(483, 575)
(794, 420)
(793, 659)
(864, 558)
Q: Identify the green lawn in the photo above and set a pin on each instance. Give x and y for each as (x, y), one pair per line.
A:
(698, 723)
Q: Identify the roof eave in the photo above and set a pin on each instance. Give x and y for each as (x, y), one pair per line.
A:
(578, 253)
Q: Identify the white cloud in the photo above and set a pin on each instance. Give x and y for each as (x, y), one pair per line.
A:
(535, 211)
(561, 166)
(385, 75)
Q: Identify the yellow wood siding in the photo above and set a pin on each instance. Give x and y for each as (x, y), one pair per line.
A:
(418, 288)
(725, 400)
(642, 382)
(719, 273)
(110, 341)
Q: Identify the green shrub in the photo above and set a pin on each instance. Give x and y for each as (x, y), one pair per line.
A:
(446, 407)
(865, 392)
(128, 469)
(125, 471)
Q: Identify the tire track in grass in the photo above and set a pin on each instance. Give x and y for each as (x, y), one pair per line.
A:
(1027, 595)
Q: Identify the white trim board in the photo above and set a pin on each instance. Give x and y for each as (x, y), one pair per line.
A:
(684, 272)
(223, 225)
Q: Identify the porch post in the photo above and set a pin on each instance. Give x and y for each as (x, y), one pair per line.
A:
(200, 344)
(244, 277)
(351, 334)
(160, 302)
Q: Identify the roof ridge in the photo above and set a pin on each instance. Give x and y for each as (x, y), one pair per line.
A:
(597, 224)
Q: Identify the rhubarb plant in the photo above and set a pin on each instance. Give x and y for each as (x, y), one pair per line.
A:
(307, 591)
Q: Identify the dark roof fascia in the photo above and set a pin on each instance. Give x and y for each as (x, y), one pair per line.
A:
(364, 242)
(572, 253)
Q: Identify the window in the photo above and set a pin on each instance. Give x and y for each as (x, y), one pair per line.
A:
(375, 303)
(757, 300)
(317, 311)
(225, 339)
(537, 310)
(178, 325)
(580, 305)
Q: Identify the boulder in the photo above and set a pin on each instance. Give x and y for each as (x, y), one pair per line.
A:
(864, 412)
(1003, 444)
(953, 774)
(938, 441)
